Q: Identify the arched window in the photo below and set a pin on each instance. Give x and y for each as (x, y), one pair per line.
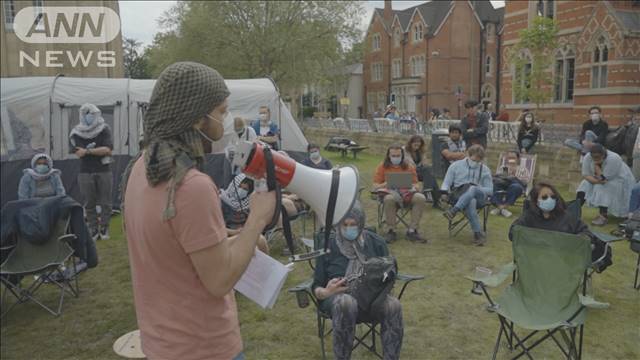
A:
(522, 80)
(563, 76)
(397, 36)
(599, 68)
(375, 42)
(417, 33)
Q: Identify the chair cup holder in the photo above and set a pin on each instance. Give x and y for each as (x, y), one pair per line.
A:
(303, 299)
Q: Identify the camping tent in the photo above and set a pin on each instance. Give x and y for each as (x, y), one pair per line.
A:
(37, 114)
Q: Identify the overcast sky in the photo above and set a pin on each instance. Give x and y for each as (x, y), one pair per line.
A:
(139, 18)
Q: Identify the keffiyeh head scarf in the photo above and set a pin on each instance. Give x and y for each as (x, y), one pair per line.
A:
(36, 175)
(352, 250)
(183, 94)
(91, 122)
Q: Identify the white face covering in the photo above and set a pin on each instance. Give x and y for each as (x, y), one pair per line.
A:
(242, 193)
(528, 119)
(595, 118)
(395, 160)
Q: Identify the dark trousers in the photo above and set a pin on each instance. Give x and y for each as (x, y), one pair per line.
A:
(428, 181)
(96, 189)
(513, 192)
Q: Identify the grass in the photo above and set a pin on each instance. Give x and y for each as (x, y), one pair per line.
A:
(442, 319)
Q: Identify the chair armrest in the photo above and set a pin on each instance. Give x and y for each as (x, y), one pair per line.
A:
(407, 279)
(67, 238)
(607, 238)
(304, 286)
(495, 279)
(590, 302)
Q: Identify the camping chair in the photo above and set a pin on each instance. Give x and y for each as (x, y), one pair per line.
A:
(366, 329)
(548, 294)
(525, 173)
(51, 262)
(457, 224)
(401, 213)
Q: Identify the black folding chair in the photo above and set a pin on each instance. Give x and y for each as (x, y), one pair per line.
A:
(401, 213)
(368, 330)
(48, 263)
(459, 222)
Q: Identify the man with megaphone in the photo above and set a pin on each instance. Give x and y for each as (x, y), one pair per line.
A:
(183, 265)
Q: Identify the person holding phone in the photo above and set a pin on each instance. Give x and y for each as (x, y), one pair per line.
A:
(349, 245)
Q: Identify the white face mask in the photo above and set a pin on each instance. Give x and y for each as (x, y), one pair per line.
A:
(263, 117)
(242, 193)
(395, 160)
(528, 119)
(595, 118)
(314, 155)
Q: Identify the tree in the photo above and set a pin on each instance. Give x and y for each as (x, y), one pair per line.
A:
(135, 65)
(293, 42)
(532, 59)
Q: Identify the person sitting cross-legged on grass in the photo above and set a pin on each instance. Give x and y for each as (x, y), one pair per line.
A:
(351, 246)
(467, 185)
(506, 186)
(607, 184)
(395, 161)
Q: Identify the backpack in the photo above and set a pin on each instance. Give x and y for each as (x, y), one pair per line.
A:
(615, 140)
(371, 287)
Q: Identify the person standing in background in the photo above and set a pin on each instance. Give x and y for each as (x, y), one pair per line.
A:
(92, 143)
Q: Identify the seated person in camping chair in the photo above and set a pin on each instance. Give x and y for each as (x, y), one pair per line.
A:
(507, 188)
(466, 186)
(235, 207)
(333, 275)
(40, 180)
(547, 210)
(396, 162)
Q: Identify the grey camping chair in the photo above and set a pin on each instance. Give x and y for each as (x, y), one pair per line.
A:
(48, 263)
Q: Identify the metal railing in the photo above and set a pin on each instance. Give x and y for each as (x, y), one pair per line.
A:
(499, 131)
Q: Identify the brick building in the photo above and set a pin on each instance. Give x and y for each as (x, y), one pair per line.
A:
(597, 61)
(420, 57)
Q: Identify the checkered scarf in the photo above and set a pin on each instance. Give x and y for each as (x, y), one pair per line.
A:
(183, 94)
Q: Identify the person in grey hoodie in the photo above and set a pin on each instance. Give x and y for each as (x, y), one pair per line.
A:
(40, 180)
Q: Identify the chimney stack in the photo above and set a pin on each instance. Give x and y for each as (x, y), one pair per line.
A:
(387, 15)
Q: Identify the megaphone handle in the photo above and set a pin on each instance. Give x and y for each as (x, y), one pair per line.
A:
(272, 185)
(331, 206)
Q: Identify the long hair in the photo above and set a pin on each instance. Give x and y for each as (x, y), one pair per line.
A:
(523, 124)
(421, 150)
(561, 206)
(387, 161)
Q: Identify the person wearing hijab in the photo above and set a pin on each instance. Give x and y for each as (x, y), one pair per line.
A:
(351, 245)
(92, 143)
(183, 265)
(41, 180)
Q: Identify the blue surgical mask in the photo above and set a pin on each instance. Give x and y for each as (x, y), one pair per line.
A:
(89, 118)
(242, 193)
(395, 160)
(350, 232)
(547, 205)
(42, 168)
(314, 155)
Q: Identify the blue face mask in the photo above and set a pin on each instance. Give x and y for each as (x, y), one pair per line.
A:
(242, 193)
(42, 168)
(350, 232)
(547, 205)
(88, 119)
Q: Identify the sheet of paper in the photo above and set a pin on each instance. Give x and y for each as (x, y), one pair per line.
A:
(263, 279)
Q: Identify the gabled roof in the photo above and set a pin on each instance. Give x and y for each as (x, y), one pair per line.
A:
(435, 12)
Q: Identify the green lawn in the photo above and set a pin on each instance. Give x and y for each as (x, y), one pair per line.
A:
(442, 319)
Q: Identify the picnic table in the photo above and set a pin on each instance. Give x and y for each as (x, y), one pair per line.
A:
(344, 149)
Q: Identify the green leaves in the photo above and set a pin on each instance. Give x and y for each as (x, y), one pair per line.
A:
(292, 41)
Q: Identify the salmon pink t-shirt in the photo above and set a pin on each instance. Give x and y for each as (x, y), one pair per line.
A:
(177, 316)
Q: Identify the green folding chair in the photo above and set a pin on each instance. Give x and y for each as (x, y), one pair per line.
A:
(45, 263)
(548, 295)
(366, 336)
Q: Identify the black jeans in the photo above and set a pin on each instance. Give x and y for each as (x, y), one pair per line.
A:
(429, 182)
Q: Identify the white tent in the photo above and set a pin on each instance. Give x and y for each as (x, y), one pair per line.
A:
(37, 113)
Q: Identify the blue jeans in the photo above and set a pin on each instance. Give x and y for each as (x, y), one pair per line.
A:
(239, 356)
(634, 202)
(513, 193)
(469, 202)
(575, 144)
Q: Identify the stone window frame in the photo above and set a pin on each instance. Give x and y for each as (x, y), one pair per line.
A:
(599, 56)
(417, 65)
(396, 68)
(377, 69)
(514, 76)
(376, 42)
(563, 80)
(547, 11)
(397, 37)
(487, 65)
(418, 32)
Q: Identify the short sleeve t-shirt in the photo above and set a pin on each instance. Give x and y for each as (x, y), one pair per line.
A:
(178, 318)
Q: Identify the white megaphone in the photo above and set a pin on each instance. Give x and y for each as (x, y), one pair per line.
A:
(311, 185)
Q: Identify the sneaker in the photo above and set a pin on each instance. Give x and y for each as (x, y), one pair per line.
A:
(449, 214)
(479, 239)
(600, 221)
(506, 213)
(415, 236)
(95, 235)
(495, 211)
(104, 234)
(390, 236)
